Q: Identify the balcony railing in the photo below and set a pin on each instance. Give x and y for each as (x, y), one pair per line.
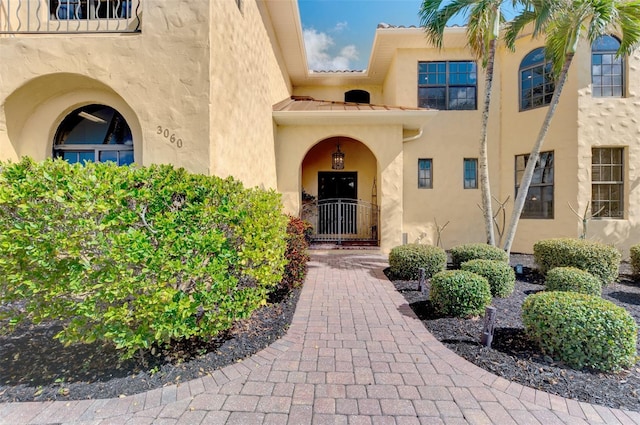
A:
(69, 16)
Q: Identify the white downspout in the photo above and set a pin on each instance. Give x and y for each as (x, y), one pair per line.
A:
(414, 137)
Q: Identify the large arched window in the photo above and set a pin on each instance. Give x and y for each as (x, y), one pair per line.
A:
(536, 81)
(95, 133)
(606, 68)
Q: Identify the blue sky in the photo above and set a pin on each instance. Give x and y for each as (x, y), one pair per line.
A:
(339, 33)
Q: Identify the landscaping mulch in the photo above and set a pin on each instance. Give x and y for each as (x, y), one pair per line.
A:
(36, 367)
(514, 358)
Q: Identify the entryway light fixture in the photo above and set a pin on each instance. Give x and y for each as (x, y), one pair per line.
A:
(337, 159)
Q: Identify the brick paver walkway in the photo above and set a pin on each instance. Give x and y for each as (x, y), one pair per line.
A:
(355, 354)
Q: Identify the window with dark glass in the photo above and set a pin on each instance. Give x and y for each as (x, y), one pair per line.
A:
(607, 182)
(470, 173)
(536, 80)
(357, 96)
(96, 133)
(539, 200)
(425, 174)
(447, 85)
(606, 68)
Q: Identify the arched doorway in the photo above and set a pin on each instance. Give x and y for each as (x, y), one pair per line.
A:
(96, 133)
(339, 192)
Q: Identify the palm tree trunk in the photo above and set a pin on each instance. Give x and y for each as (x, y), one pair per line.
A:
(535, 154)
(487, 210)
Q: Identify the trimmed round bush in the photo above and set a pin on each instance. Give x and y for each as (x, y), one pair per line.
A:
(634, 254)
(599, 259)
(501, 277)
(460, 293)
(573, 279)
(581, 330)
(405, 260)
(476, 251)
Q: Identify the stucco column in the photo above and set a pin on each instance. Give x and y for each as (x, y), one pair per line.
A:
(391, 200)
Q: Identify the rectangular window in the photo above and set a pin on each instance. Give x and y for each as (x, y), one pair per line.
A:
(470, 173)
(447, 85)
(425, 174)
(607, 182)
(539, 200)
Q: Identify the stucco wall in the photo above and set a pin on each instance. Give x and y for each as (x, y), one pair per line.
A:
(519, 130)
(246, 80)
(447, 139)
(611, 122)
(203, 72)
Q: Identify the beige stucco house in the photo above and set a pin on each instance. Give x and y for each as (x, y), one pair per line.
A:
(383, 156)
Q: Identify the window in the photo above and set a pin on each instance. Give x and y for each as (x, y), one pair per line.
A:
(536, 81)
(425, 174)
(95, 9)
(607, 182)
(357, 96)
(470, 173)
(95, 133)
(447, 85)
(539, 201)
(606, 68)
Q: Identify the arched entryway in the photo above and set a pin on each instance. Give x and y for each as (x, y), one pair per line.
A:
(96, 133)
(339, 194)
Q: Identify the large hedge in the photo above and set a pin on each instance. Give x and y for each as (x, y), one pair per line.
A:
(581, 330)
(135, 256)
(599, 259)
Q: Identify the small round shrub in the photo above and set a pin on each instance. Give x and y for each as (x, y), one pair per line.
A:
(501, 277)
(476, 251)
(581, 330)
(573, 279)
(460, 293)
(599, 259)
(635, 259)
(405, 260)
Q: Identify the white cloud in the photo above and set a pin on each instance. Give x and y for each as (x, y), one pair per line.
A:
(340, 26)
(319, 48)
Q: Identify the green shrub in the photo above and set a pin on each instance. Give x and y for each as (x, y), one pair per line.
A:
(581, 330)
(572, 279)
(501, 277)
(296, 254)
(460, 293)
(405, 260)
(634, 254)
(476, 251)
(599, 259)
(135, 256)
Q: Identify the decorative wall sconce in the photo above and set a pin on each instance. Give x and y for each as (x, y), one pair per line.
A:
(337, 159)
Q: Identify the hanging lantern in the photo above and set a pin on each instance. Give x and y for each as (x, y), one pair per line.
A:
(337, 159)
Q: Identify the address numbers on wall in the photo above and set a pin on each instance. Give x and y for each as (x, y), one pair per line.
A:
(169, 135)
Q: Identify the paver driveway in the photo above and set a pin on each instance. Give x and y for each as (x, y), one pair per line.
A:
(355, 354)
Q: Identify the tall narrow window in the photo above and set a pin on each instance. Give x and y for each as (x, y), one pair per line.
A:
(470, 173)
(425, 174)
(606, 68)
(539, 200)
(607, 182)
(536, 81)
(447, 85)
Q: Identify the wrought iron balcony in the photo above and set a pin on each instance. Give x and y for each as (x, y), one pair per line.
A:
(69, 16)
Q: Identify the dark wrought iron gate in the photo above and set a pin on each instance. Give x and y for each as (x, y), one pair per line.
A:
(338, 220)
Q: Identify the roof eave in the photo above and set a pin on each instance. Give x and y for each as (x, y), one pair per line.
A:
(410, 120)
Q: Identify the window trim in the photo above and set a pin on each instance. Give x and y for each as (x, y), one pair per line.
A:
(430, 179)
(464, 173)
(447, 85)
(529, 67)
(551, 216)
(623, 85)
(621, 183)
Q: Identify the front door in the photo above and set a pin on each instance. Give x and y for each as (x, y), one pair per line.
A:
(337, 202)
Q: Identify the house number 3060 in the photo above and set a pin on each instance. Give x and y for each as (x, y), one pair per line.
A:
(171, 137)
